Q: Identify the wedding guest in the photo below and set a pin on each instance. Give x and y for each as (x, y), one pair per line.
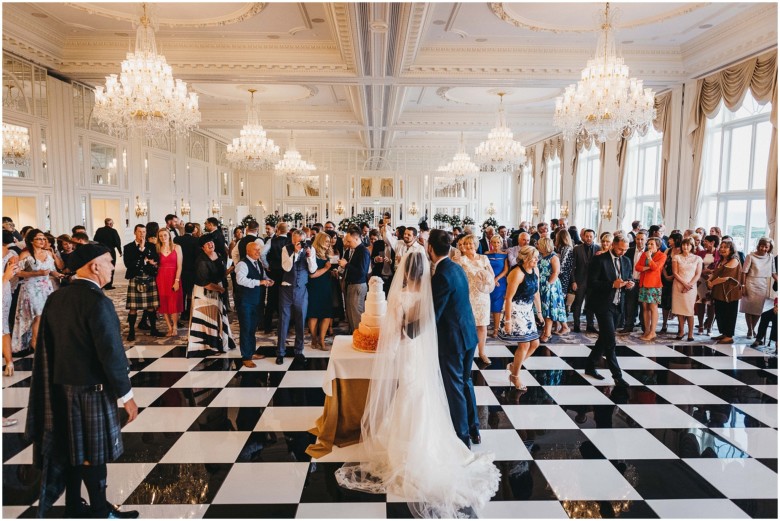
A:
(409, 242)
(498, 262)
(336, 291)
(667, 278)
(656, 231)
(65, 248)
(481, 283)
(197, 232)
(710, 257)
(141, 262)
(484, 243)
(649, 267)
(37, 266)
(173, 223)
(522, 297)
(635, 227)
(297, 263)
(715, 230)
(633, 254)
(565, 250)
(740, 253)
(542, 230)
(209, 325)
(686, 267)
(238, 234)
(697, 241)
(768, 318)
(169, 280)
(253, 280)
(10, 269)
(758, 272)
(575, 236)
(550, 292)
(188, 244)
(382, 257)
(605, 239)
(523, 239)
(583, 254)
(356, 264)
(726, 284)
(503, 233)
(272, 260)
(109, 237)
(320, 310)
(152, 228)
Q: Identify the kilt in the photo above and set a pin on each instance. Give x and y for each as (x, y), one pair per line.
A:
(137, 299)
(94, 431)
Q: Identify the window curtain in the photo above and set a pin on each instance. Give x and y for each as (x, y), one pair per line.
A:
(622, 152)
(603, 198)
(730, 85)
(552, 148)
(583, 142)
(663, 123)
(530, 159)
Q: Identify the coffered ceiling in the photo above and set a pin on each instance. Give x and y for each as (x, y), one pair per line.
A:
(382, 77)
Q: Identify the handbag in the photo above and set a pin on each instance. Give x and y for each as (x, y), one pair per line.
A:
(486, 280)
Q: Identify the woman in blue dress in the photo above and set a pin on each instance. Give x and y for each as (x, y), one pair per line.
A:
(522, 296)
(500, 267)
(550, 291)
(319, 288)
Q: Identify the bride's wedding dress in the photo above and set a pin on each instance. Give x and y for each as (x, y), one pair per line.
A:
(410, 444)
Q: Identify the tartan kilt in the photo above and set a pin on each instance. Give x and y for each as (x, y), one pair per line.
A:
(94, 431)
(137, 299)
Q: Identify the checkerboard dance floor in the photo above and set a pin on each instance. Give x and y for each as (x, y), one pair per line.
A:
(694, 437)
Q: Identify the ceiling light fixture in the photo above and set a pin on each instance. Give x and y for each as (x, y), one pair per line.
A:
(16, 145)
(145, 98)
(605, 103)
(460, 168)
(500, 152)
(252, 149)
(293, 166)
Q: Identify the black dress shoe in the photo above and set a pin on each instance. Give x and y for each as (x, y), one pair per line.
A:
(591, 330)
(279, 360)
(115, 513)
(131, 337)
(80, 511)
(621, 383)
(476, 439)
(108, 287)
(594, 374)
(576, 330)
(300, 357)
(155, 332)
(144, 325)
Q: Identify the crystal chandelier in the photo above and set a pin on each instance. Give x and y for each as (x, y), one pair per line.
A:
(605, 103)
(252, 150)
(145, 99)
(293, 166)
(16, 145)
(500, 152)
(460, 168)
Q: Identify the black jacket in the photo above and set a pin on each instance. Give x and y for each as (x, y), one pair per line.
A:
(356, 270)
(601, 275)
(581, 261)
(134, 259)
(189, 251)
(109, 238)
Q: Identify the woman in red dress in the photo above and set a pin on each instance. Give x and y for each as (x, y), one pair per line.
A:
(169, 280)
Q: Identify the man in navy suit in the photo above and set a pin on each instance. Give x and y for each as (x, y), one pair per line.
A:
(609, 277)
(457, 334)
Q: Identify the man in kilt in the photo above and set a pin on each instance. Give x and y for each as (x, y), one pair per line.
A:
(79, 371)
(141, 260)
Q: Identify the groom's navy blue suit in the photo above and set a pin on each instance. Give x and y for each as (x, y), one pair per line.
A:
(457, 334)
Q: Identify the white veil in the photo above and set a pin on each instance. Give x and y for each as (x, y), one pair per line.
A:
(406, 430)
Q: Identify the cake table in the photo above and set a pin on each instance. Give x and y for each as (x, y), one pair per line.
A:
(346, 388)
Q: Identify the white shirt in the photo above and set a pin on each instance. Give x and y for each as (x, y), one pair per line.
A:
(401, 248)
(288, 262)
(637, 254)
(234, 255)
(242, 273)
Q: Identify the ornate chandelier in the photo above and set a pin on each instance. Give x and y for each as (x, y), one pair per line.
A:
(16, 145)
(252, 150)
(460, 168)
(606, 103)
(145, 98)
(293, 166)
(500, 152)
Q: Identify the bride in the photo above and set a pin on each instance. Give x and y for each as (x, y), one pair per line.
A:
(411, 447)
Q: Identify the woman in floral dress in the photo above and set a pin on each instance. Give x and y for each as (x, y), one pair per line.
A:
(481, 282)
(553, 300)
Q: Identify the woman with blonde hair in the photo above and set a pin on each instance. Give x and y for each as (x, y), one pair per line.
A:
(550, 292)
(498, 260)
(319, 287)
(605, 239)
(169, 280)
(481, 282)
(565, 250)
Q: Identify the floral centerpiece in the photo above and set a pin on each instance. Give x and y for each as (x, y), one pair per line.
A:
(467, 220)
(489, 222)
(272, 219)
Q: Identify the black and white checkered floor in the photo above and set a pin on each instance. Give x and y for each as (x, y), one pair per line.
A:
(694, 436)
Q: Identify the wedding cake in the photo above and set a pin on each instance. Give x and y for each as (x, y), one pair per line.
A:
(366, 336)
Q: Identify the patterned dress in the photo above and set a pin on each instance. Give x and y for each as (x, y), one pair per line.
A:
(523, 324)
(553, 299)
(567, 267)
(32, 298)
(477, 272)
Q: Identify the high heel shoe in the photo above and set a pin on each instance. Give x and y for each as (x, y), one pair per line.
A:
(514, 379)
(487, 361)
(9, 370)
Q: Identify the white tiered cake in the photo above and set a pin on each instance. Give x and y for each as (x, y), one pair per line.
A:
(366, 336)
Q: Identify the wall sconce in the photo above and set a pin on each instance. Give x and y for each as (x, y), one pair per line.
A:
(491, 210)
(606, 211)
(140, 207)
(565, 211)
(261, 205)
(185, 207)
(339, 209)
(535, 210)
(413, 210)
(215, 208)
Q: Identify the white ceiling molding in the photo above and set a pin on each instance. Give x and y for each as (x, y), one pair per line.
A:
(249, 10)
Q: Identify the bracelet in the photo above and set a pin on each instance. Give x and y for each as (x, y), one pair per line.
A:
(177, 280)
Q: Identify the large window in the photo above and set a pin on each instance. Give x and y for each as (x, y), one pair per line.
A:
(526, 193)
(552, 203)
(588, 173)
(643, 175)
(736, 152)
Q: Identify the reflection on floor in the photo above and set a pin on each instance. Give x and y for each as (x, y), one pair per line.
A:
(694, 436)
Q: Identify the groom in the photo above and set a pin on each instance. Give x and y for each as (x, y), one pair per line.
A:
(457, 334)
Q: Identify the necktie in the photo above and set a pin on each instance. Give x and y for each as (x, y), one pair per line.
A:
(616, 300)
